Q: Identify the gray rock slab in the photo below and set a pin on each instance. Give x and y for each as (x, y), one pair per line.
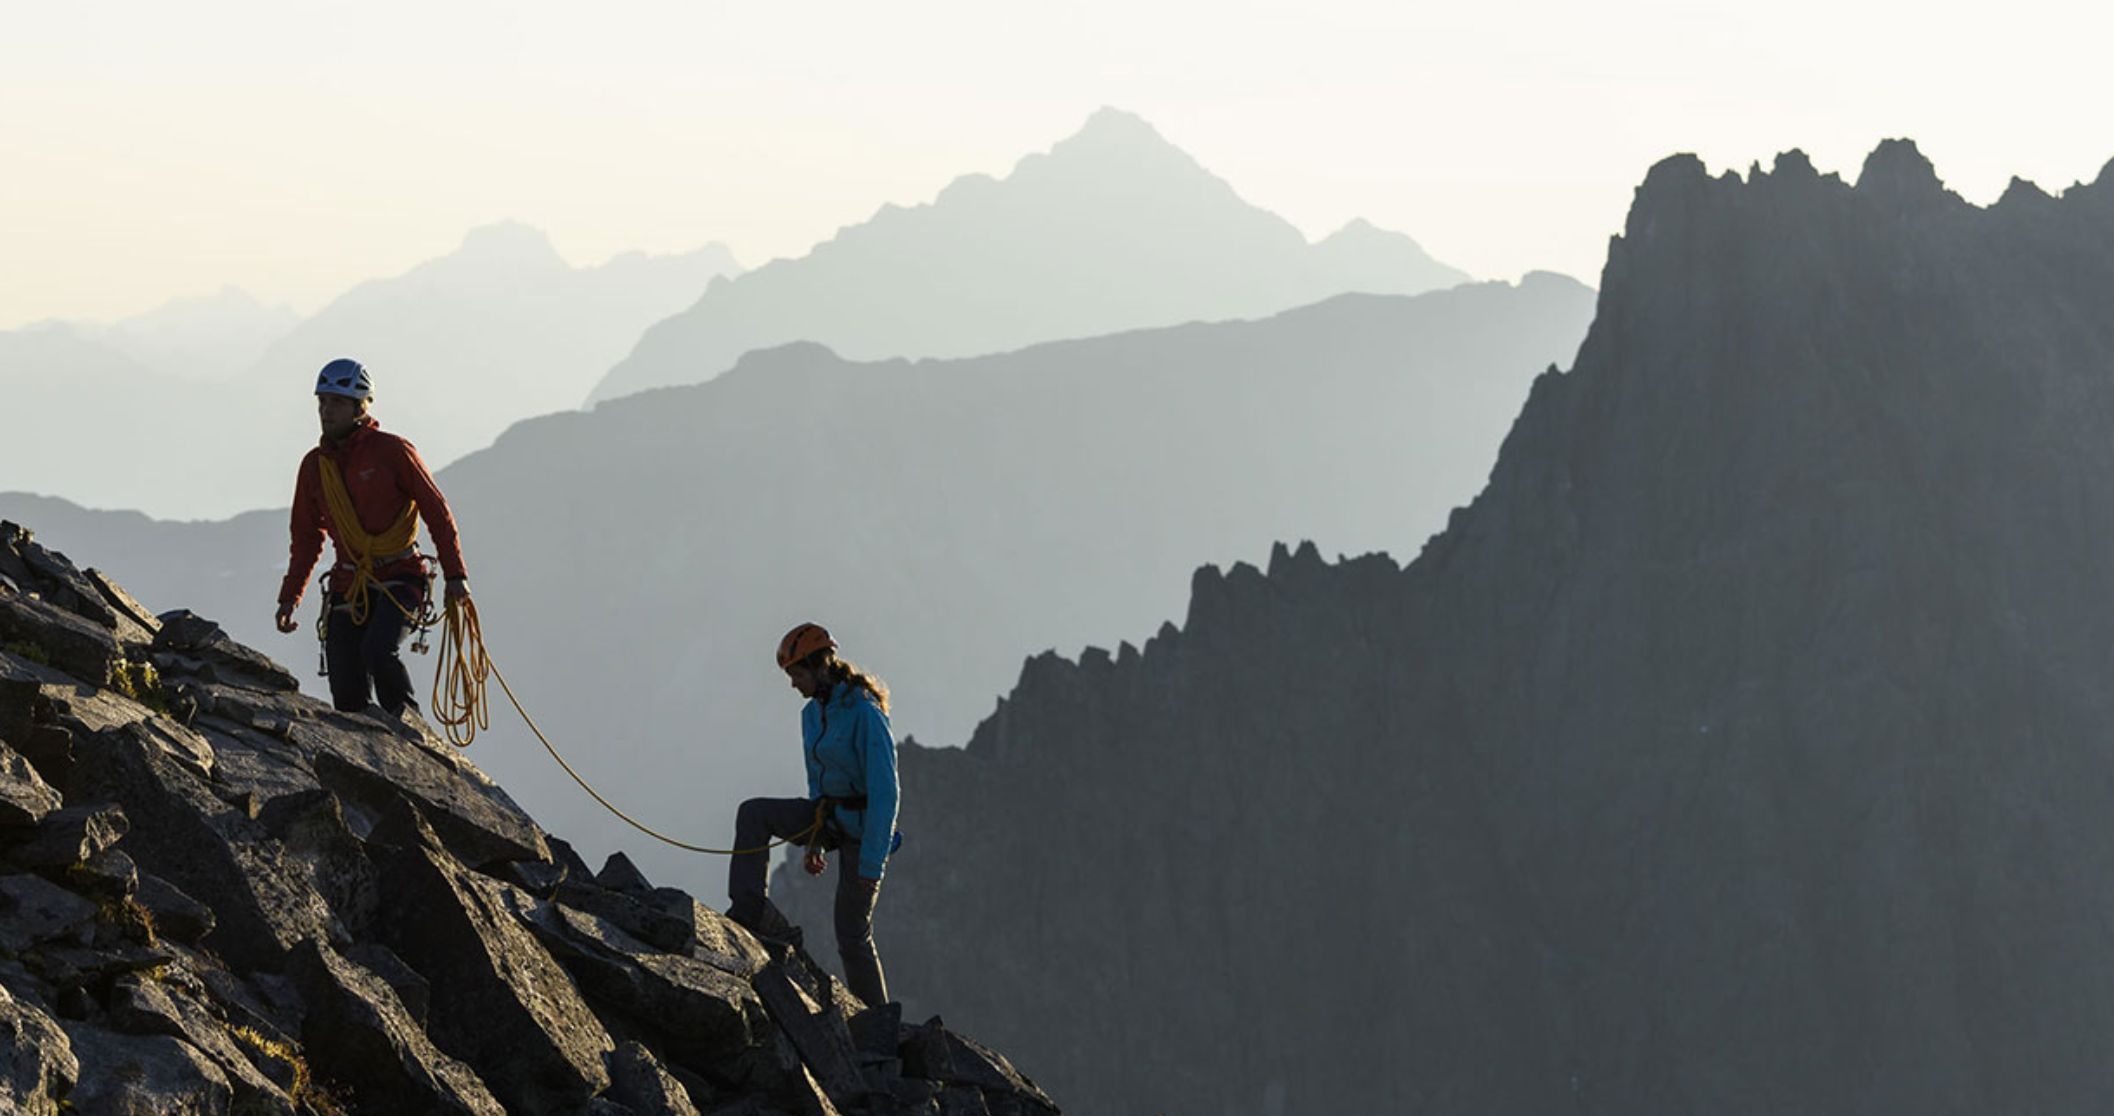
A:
(476, 821)
(84, 709)
(184, 833)
(708, 1015)
(125, 1074)
(35, 910)
(620, 874)
(657, 928)
(25, 798)
(359, 1033)
(140, 1006)
(934, 1053)
(176, 915)
(638, 1081)
(123, 603)
(230, 662)
(500, 1002)
(37, 1062)
(110, 874)
(76, 646)
(818, 1032)
(74, 835)
(412, 990)
(61, 583)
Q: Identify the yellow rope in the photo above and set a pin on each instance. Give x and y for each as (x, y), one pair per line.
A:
(363, 547)
(460, 704)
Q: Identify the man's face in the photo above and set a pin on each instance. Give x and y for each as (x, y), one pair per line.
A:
(339, 414)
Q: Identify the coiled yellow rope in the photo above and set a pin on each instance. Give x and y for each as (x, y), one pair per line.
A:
(363, 547)
(460, 704)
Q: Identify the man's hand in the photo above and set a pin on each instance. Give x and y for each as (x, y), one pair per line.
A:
(814, 863)
(458, 589)
(285, 618)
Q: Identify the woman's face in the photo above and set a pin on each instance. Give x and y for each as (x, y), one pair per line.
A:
(804, 678)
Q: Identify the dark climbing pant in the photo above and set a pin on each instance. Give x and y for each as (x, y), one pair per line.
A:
(360, 654)
(762, 819)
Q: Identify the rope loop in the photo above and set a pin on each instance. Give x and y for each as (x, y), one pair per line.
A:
(461, 705)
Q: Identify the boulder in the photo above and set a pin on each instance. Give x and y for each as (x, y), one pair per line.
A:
(57, 581)
(707, 1015)
(109, 875)
(34, 910)
(74, 835)
(262, 902)
(638, 1081)
(25, 798)
(176, 915)
(128, 608)
(37, 1062)
(412, 990)
(71, 644)
(620, 874)
(221, 659)
(500, 1002)
(627, 910)
(476, 822)
(139, 1006)
(144, 1073)
(937, 1054)
(818, 1032)
(359, 1033)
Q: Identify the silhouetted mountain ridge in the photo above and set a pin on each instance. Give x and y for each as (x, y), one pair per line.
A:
(1740, 746)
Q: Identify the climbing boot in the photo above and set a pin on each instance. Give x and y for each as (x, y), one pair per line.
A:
(768, 923)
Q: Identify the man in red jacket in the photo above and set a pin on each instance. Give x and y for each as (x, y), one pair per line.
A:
(367, 490)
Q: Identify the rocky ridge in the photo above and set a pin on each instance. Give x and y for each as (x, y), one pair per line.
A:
(219, 896)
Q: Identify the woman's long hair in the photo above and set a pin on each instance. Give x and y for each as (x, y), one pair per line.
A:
(837, 671)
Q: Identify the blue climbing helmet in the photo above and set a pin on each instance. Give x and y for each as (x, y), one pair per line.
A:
(347, 377)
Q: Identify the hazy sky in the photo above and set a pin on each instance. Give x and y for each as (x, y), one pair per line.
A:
(155, 150)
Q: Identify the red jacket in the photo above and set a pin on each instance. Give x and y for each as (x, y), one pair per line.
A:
(382, 472)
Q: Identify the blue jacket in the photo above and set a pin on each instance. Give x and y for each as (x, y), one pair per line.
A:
(850, 752)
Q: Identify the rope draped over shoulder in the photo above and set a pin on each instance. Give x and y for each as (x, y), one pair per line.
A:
(363, 548)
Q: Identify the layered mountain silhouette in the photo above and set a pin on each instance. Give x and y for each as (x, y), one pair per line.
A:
(1112, 229)
(202, 337)
(499, 330)
(1743, 747)
(636, 564)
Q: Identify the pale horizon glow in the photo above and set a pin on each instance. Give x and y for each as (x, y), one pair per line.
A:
(165, 151)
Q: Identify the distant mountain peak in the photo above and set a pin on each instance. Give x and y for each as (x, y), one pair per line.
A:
(1898, 173)
(510, 241)
(1113, 135)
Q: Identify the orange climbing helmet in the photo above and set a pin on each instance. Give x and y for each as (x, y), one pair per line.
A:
(802, 641)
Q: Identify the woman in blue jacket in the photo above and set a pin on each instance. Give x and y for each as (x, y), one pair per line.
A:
(851, 763)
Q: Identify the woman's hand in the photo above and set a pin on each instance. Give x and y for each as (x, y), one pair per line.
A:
(814, 863)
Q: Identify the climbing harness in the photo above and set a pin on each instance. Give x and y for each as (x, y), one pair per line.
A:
(367, 555)
(461, 705)
(367, 552)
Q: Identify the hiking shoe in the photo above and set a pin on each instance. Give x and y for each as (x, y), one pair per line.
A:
(769, 924)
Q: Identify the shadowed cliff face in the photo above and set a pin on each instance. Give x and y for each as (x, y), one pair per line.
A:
(1743, 747)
